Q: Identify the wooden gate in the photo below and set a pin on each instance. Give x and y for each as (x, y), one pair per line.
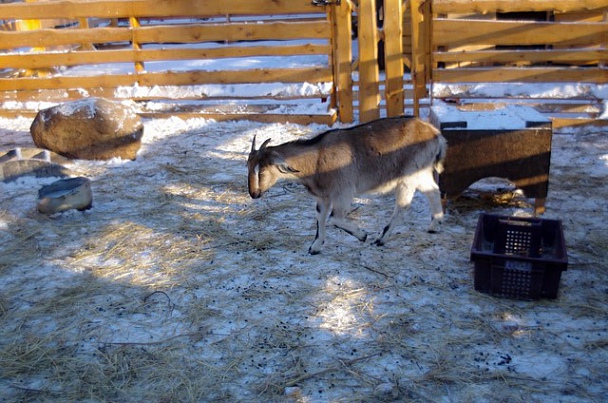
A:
(506, 45)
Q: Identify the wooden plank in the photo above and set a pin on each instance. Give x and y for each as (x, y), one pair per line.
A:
(342, 54)
(533, 56)
(420, 68)
(266, 75)
(559, 123)
(60, 37)
(581, 16)
(393, 64)
(136, 45)
(454, 33)
(153, 8)
(490, 6)
(369, 75)
(233, 32)
(75, 58)
(167, 34)
(514, 74)
(191, 93)
(313, 75)
(301, 119)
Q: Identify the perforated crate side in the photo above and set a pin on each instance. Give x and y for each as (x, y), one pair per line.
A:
(530, 268)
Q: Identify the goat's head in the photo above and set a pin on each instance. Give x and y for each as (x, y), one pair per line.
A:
(265, 167)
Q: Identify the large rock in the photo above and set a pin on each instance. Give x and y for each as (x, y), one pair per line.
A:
(93, 129)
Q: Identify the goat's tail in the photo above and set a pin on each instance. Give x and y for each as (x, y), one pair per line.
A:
(442, 150)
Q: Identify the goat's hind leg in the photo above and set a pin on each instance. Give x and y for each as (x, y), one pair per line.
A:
(339, 220)
(323, 212)
(430, 189)
(404, 195)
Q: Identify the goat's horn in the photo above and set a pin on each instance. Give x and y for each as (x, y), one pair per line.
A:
(264, 144)
(253, 144)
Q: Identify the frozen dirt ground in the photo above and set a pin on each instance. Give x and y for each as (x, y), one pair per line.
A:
(176, 286)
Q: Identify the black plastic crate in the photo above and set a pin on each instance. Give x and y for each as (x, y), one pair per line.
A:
(518, 257)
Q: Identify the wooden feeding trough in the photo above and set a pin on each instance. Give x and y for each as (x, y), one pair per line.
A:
(505, 141)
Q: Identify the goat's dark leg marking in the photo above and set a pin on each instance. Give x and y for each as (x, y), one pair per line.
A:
(323, 212)
(403, 195)
(339, 220)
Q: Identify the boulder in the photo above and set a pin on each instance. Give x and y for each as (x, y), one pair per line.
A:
(92, 129)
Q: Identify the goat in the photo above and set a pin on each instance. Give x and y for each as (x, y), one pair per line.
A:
(398, 154)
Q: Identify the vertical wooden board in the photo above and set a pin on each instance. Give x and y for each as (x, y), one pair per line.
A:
(369, 75)
(342, 57)
(393, 50)
(134, 23)
(421, 15)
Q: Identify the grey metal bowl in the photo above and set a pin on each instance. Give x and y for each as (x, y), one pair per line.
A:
(65, 194)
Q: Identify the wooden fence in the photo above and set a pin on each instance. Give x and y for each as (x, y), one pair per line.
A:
(138, 35)
(55, 52)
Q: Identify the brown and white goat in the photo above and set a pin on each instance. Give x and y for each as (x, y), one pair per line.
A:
(393, 154)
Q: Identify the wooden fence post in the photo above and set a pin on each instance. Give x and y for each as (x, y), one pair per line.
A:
(32, 25)
(134, 24)
(369, 76)
(420, 50)
(83, 23)
(393, 54)
(342, 55)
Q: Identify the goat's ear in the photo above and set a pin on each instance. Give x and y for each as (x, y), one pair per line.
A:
(286, 169)
(282, 165)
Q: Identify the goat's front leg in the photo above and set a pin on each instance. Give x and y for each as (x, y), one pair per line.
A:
(323, 212)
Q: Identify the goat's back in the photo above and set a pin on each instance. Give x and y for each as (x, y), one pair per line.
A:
(374, 153)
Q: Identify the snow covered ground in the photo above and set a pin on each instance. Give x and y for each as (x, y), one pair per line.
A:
(176, 286)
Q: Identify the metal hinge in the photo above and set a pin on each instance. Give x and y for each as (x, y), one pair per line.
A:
(325, 2)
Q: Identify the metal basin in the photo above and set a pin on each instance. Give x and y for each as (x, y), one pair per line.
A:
(65, 194)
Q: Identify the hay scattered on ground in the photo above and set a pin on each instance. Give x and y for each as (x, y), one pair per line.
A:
(177, 287)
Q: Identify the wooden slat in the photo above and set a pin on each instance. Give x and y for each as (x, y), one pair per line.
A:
(313, 75)
(369, 77)
(393, 50)
(76, 58)
(421, 43)
(490, 6)
(153, 8)
(167, 34)
(61, 37)
(533, 56)
(139, 94)
(454, 33)
(233, 32)
(342, 56)
(559, 123)
(530, 74)
(301, 119)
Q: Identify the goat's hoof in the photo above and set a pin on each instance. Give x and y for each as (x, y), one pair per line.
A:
(434, 228)
(379, 242)
(314, 250)
(363, 238)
